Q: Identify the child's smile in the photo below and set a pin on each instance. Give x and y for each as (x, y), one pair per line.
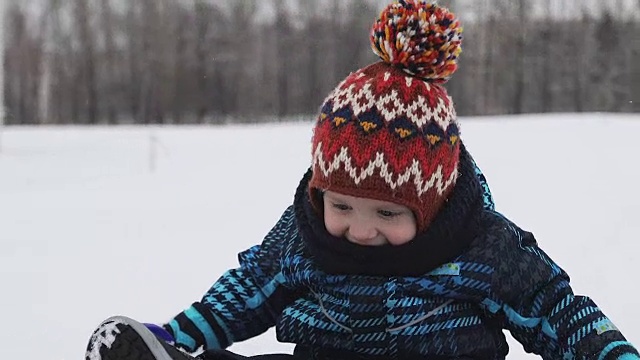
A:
(367, 221)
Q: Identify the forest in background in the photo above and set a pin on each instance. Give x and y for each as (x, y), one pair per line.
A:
(196, 61)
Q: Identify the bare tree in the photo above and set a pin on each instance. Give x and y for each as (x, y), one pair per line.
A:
(203, 13)
(606, 59)
(206, 59)
(23, 55)
(578, 74)
(634, 71)
(110, 73)
(155, 61)
(520, 61)
(265, 81)
(86, 74)
(310, 72)
(283, 31)
(151, 98)
(134, 59)
(3, 18)
(243, 68)
(181, 39)
(490, 60)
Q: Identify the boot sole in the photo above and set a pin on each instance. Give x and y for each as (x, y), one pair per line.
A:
(122, 338)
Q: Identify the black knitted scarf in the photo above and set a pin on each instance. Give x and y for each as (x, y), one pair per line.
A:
(447, 236)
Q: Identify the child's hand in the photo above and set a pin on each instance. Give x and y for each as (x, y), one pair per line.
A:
(161, 333)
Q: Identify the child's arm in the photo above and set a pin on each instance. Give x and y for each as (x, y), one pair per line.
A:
(539, 308)
(244, 302)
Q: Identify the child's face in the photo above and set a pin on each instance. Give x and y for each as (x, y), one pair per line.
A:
(367, 221)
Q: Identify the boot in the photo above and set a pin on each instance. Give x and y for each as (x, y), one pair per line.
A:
(122, 338)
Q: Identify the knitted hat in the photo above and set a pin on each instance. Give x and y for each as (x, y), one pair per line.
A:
(388, 131)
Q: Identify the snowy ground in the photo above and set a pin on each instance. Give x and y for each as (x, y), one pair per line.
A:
(91, 226)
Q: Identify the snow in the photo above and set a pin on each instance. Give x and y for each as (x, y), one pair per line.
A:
(93, 224)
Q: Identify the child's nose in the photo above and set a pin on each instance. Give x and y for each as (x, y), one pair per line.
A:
(361, 232)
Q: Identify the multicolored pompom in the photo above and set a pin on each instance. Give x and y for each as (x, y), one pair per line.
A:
(421, 38)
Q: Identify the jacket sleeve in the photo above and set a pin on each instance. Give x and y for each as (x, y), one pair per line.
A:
(244, 302)
(537, 305)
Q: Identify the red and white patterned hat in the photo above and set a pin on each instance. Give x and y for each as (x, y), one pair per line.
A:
(389, 131)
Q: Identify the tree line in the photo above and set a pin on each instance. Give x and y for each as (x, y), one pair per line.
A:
(177, 62)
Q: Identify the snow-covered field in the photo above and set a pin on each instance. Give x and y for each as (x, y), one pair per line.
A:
(93, 224)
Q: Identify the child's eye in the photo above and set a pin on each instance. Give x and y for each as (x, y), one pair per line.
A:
(341, 207)
(388, 213)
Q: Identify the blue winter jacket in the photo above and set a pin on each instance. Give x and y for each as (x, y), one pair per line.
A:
(453, 307)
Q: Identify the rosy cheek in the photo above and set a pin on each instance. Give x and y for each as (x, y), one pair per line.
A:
(334, 226)
(402, 235)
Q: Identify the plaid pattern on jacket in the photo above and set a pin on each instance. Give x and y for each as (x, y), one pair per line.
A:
(456, 311)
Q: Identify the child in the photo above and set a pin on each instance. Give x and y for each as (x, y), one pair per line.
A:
(392, 248)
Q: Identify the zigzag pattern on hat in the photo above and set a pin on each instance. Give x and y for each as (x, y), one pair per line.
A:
(393, 120)
(358, 174)
(391, 105)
